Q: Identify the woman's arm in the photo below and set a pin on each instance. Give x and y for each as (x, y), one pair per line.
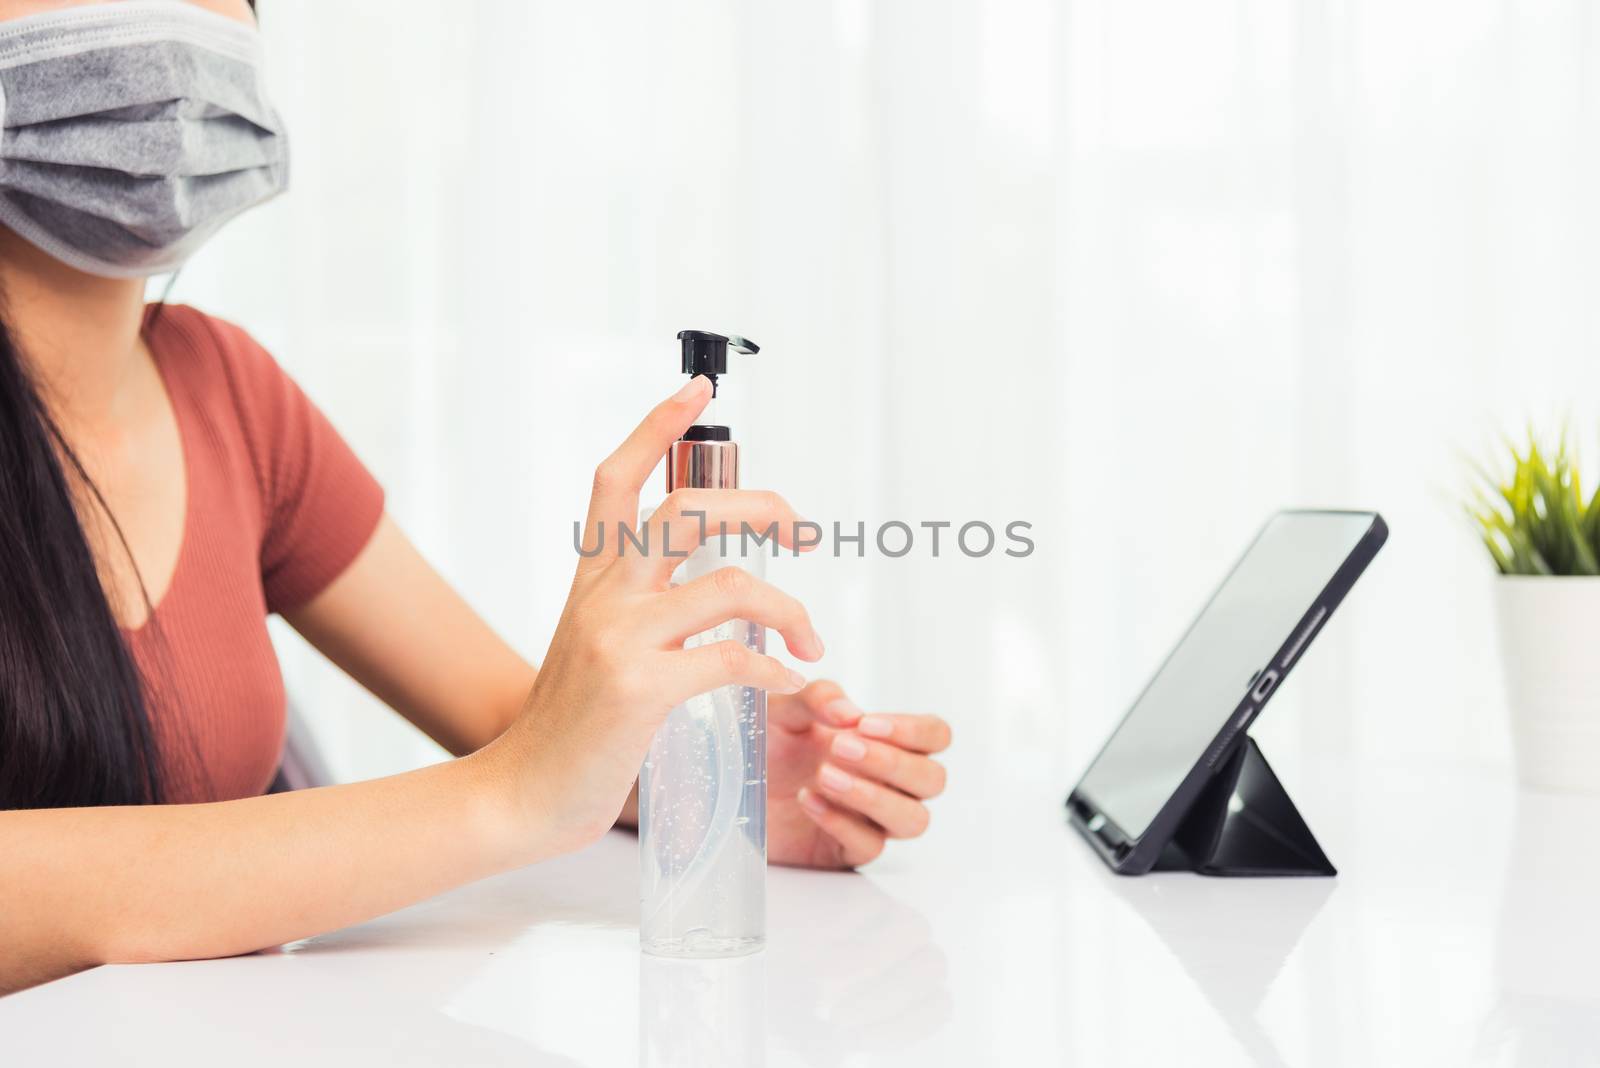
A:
(395, 626)
(89, 886)
(80, 887)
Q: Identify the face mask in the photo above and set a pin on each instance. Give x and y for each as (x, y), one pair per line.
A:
(132, 131)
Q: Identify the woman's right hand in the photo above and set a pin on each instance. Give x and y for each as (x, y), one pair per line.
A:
(617, 664)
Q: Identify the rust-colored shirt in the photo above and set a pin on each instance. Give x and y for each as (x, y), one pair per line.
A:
(277, 507)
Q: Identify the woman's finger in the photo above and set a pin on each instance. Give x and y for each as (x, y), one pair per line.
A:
(729, 593)
(858, 841)
(727, 663)
(753, 520)
(910, 773)
(900, 816)
(921, 734)
(617, 481)
(822, 701)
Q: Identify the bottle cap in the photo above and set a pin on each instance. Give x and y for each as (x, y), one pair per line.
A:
(705, 353)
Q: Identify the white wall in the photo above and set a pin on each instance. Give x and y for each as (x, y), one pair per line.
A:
(1135, 272)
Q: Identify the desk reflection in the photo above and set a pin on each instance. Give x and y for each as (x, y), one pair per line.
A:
(1233, 937)
(849, 969)
(702, 1013)
(1547, 1005)
(883, 979)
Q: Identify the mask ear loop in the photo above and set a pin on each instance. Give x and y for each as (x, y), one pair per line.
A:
(166, 292)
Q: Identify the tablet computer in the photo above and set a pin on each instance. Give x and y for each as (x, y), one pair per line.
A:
(1190, 720)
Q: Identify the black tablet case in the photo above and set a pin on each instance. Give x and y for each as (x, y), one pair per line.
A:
(1265, 836)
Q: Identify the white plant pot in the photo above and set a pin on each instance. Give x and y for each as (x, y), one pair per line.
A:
(1550, 650)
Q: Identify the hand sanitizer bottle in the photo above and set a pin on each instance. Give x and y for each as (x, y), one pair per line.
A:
(703, 787)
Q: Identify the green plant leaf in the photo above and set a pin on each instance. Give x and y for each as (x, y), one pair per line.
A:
(1533, 518)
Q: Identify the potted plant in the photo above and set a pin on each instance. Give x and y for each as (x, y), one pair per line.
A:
(1544, 537)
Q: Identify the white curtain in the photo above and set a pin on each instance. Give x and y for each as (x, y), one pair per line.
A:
(1135, 273)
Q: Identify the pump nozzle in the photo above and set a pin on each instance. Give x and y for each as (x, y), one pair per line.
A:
(705, 353)
(706, 456)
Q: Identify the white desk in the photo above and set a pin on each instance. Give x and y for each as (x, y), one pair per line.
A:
(1464, 928)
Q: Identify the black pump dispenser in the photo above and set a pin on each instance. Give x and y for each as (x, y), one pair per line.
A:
(705, 353)
(706, 457)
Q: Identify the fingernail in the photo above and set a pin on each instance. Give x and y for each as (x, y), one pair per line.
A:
(811, 802)
(843, 712)
(689, 390)
(833, 778)
(816, 640)
(849, 747)
(797, 681)
(876, 726)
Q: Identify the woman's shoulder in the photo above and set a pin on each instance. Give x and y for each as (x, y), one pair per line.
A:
(319, 505)
(219, 365)
(222, 375)
(206, 349)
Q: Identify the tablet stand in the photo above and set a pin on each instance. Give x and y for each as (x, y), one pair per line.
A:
(1263, 834)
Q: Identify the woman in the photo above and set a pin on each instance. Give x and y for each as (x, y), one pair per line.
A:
(164, 486)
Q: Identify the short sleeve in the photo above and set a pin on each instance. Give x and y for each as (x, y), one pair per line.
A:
(319, 503)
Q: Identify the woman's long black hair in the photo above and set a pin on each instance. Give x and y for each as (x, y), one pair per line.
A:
(74, 720)
(75, 723)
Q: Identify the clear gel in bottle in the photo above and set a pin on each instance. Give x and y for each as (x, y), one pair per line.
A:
(703, 787)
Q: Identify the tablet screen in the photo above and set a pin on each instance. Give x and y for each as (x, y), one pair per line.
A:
(1248, 620)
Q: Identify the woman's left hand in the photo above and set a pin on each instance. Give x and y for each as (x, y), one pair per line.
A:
(840, 782)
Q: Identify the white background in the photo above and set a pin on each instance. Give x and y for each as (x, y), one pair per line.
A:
(1137, 273)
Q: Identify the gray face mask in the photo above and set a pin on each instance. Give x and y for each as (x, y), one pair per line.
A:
(132, 131)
